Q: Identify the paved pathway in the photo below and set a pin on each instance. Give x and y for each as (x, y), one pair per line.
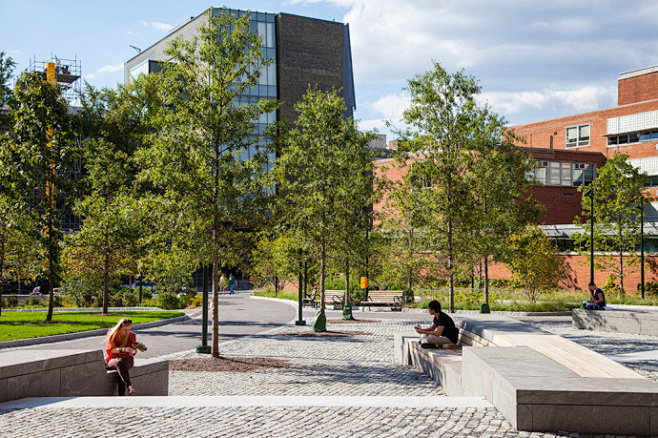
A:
(333, 387)
(240, 315)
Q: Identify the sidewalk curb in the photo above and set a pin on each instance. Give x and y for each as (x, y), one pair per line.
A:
(86, 334)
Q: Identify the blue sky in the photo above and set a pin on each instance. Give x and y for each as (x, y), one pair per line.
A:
(534, 59)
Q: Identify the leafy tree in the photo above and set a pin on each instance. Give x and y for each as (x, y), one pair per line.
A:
(403, 262)
(534, 261)
(6, 96)
(275, 260)
(102, 246)
(316, 172)
(43, 155)
(442, 117)
(616, 192)
(204, 157)
(500, 188)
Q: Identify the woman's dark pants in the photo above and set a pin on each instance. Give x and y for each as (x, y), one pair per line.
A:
(122, 366)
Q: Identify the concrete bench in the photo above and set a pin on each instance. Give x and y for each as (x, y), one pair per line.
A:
(73, 373)
(385, 298)
(527, 369)
(537, 394)
(636, 322)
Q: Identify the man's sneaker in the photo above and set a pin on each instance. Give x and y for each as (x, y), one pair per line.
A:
(428, 345)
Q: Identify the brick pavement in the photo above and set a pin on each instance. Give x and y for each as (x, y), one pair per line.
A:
(357, 366)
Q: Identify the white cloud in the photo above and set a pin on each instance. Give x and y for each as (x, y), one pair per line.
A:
(90, 76)
(110, 68)
(515, 105)
(157, 25)
(390, 106)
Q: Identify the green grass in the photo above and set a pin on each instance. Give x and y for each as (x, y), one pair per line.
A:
(282, 295)
(25, 325)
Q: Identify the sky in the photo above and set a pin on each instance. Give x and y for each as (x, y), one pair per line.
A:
(534, 59)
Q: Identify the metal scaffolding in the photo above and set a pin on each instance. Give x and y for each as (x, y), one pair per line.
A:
(67, 74)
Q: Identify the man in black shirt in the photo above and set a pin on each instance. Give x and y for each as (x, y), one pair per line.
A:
(442, 332)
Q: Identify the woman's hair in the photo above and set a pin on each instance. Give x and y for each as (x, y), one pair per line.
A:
(114, 331)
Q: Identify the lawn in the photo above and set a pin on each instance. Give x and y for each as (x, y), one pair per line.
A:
(24, 325)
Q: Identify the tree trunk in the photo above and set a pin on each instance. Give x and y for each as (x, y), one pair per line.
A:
(2, 267)
(322, 267)
(215, 304)
(347, 299)
(486, 280)
(411, 260)
(49, 316)
(621, 265)
(451, 305)
(106, 277)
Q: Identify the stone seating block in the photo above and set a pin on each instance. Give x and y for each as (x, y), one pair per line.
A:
(71, 373)
(637, 322)
(537, 394)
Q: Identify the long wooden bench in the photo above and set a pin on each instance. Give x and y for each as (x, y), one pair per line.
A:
(385, 298)
(539, 381)
(73, 373)
(334, 298)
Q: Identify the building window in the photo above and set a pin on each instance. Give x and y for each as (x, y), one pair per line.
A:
(553, 173)
(577, 136)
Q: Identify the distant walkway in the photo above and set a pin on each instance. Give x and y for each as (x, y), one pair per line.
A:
(239, 315)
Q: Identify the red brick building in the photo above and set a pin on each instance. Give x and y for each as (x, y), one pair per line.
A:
(570, 149)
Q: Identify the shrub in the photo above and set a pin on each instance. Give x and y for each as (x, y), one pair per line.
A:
(408, 295)
(11, 302)
(34, 301)
(195, 302)
(183, 301)
(167, 301)
(650, 288)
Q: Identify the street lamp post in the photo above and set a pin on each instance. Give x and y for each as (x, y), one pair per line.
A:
(590, 193)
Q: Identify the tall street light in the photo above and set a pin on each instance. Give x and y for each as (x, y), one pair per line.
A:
(641, 208)
(590, 193)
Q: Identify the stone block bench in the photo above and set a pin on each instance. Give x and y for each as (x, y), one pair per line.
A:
(539, 381)
(73, 373)
(635, 322)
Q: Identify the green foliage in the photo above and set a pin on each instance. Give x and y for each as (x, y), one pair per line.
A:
(38, 162)
(324, 181)
(275, 257)
(650, 288)
(207, 168)
(533, 260)
(615, 194)
(168, 301)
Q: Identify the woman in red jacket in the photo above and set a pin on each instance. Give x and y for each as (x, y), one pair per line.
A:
(121, 349)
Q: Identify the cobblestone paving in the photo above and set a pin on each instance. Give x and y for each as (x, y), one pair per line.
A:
(260, 422)
(360, 366)
(608, 343)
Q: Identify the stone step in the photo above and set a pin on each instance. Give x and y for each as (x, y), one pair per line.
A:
(244, 401)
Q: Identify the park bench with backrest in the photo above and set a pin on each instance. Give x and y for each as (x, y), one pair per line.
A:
(311, 298)
(334, 298)
(385, 298)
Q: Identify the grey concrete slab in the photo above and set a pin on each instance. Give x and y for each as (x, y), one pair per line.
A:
(608, 420)
(424, 402)
(15, 363)
(640, 322)
(84, 379)
(41, 384)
